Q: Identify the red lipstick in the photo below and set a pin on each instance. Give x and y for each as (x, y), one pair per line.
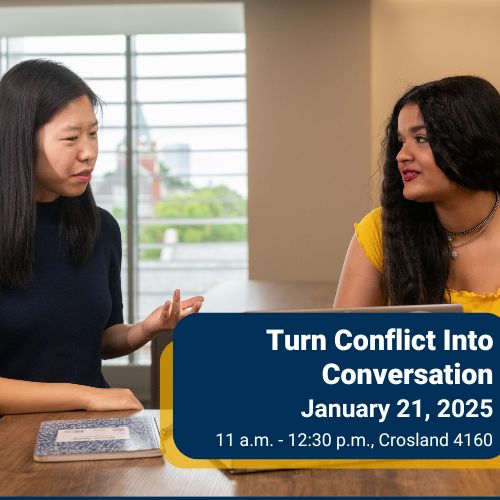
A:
(409, 175)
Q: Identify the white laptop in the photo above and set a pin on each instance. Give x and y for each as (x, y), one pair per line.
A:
(430, 308)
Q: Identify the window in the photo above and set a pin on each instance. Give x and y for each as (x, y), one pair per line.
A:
(172, 166)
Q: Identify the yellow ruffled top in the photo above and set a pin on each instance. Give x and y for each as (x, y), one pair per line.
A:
(369, 235)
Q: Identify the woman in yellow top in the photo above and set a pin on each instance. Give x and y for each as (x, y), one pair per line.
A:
(436, 237)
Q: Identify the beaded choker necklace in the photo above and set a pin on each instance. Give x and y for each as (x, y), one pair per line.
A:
(476, 230)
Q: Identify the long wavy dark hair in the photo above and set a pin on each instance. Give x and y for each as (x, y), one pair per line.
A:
(462, 119)
(31, 93)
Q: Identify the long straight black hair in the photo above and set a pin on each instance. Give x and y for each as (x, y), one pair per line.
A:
(462, 119)
(31, 93)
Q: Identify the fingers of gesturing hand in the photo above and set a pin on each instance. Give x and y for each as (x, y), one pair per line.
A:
(191, 305)
(176, 309)
(192, 301)
(170, 312)
(176, 306)
(165, 311)
(196, 307)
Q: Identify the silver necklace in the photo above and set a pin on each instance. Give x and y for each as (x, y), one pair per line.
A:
(453, 251)
(477, 226)
(478, 229)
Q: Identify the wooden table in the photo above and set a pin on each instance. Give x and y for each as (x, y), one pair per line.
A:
(257, 295)
(20, 475)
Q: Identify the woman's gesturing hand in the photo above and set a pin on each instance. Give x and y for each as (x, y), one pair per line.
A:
(169, 314)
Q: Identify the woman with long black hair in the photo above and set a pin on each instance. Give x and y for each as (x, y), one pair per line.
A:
(436, 237)
(60, 255)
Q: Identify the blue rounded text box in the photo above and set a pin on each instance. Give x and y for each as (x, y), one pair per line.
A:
(336, 386)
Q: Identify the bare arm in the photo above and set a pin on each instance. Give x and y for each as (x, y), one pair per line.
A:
(19, 396)
(122, 339)
(359, 284)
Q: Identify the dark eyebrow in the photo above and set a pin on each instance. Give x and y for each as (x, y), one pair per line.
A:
(414, 129)
(75, 127)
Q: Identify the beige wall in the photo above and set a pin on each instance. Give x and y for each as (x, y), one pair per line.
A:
(308, 134)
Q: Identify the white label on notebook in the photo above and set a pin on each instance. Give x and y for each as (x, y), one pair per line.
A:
(96, 434)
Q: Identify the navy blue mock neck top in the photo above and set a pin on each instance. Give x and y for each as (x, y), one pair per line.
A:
(52, 331)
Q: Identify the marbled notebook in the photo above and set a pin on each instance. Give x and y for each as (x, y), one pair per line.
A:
(97, 439)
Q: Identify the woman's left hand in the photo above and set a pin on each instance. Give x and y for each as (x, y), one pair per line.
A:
(169, 314)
